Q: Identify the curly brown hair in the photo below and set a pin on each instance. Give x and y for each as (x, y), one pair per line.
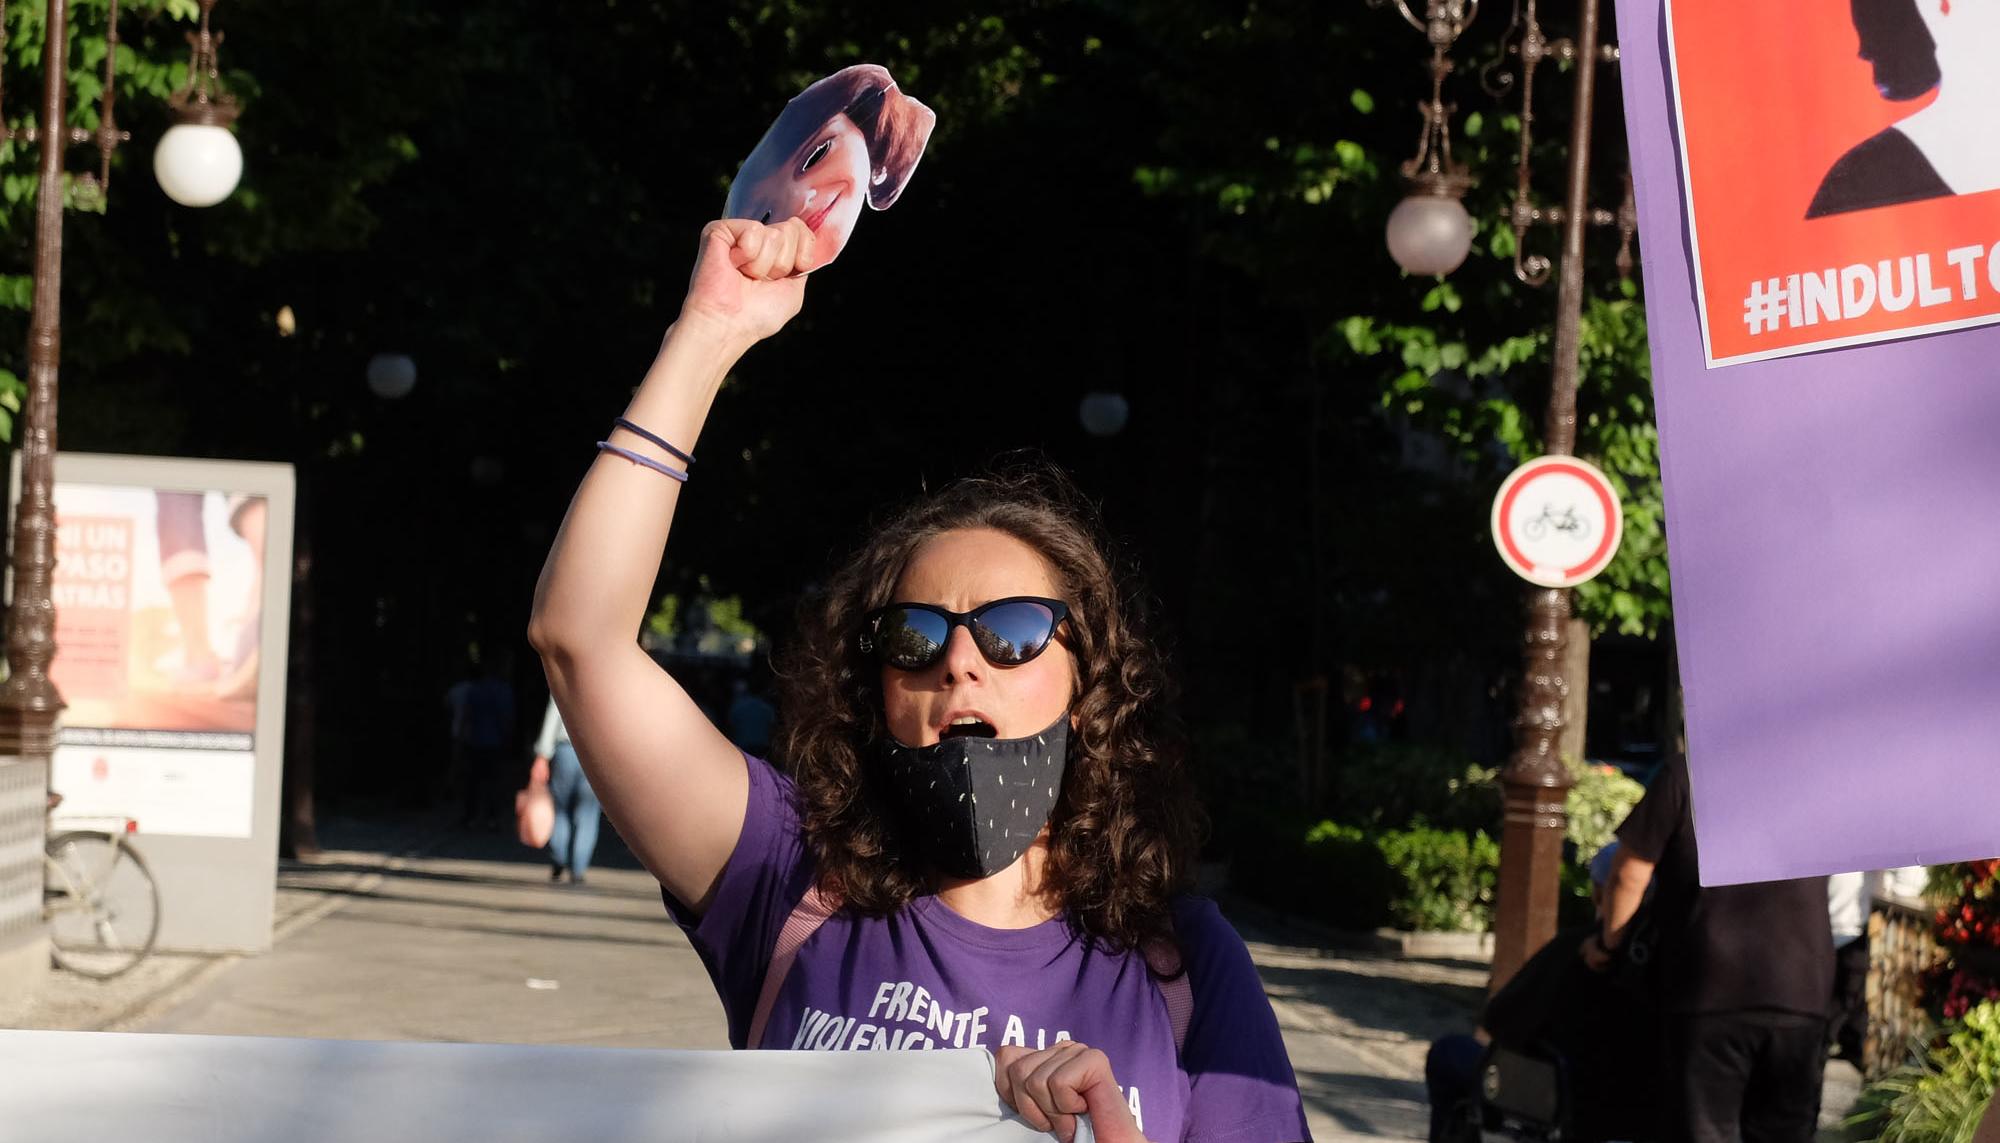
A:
(1126, 827)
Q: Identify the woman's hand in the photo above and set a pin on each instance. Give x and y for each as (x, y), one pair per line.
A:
(1050, 1088)
(749, 279)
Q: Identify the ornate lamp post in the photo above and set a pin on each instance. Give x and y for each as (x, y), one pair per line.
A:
(1536, 780)
(1429, 231)
(29, 704)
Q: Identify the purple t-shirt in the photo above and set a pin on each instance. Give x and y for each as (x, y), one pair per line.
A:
(929, 978)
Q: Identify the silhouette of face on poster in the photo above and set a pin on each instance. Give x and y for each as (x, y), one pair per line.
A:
(1947, 147)
(850, 138)
(1898, 45)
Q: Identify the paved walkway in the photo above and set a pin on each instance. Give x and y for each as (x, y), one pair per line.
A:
(407, 934)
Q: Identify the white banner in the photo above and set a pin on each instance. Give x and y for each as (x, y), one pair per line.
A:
(246, 1089)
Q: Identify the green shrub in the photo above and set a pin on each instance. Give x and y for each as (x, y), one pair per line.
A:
(1350, 882)
(1597, 805)
(1351, 878)
(1249, 785)
(1267, 859)
(1940, 1097)
(1400, 785)
(1447, 879)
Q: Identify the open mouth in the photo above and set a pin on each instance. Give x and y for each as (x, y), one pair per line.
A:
(969, 728)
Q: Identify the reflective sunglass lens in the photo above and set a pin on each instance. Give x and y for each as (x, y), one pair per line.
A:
(909, 638)
(1014, 632)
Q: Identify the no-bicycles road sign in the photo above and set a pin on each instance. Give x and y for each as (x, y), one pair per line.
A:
(1556, 521)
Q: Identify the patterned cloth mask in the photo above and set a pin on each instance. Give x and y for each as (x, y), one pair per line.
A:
(971, 806)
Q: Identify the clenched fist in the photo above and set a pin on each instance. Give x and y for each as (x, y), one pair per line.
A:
(749, 279)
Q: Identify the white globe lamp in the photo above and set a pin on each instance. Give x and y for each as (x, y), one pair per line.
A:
(1103, 414)
(391, 376)
(1430, 233)
(198, 164)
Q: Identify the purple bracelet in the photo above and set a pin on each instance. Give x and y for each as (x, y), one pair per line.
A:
(637, 431)
(649, 462)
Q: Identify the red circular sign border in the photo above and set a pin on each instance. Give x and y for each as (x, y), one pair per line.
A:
(1596, 481)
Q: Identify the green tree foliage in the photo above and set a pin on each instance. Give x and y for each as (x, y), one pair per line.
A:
(145, 69)
(1180, 200)
(1300, 174)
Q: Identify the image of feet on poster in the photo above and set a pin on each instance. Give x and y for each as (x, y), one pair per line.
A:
(1842, 169)
(158, 621)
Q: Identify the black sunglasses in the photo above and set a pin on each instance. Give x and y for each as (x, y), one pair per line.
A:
(1008, 632)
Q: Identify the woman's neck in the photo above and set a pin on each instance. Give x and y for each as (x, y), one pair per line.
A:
(1010, 899)
(1955, 131)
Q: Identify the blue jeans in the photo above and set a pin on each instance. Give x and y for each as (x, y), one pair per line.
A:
(575, 835)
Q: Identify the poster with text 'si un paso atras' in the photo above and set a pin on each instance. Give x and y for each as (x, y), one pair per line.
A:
(159, 633)
(1819, 195)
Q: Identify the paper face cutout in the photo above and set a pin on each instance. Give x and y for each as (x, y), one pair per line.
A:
(850, 138)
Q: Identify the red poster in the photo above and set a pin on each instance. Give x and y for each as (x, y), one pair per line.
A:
(1842, 167)
(92, 591)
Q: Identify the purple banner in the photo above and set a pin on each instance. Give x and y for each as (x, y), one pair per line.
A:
(1834, 530)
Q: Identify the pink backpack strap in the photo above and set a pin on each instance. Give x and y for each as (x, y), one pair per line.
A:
(1165, 961)
(811, 912)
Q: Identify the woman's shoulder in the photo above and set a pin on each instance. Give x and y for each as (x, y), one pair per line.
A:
(1884, 169)
(1209, 944)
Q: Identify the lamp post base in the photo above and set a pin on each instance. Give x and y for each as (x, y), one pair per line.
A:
(24, 945)
(1531, 854)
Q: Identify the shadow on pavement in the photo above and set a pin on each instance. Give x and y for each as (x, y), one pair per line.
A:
(383, 894)
(666, 939)
(399, 832)
(1367, 1105)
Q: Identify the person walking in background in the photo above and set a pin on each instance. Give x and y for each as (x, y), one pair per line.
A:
(751, 717)
(1744, 976)
(574, 838)
(1850, 898)
(482, 728)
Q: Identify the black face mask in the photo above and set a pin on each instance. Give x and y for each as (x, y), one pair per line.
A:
(971, 806)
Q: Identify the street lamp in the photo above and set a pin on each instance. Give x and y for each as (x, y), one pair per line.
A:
(1430, 232)
(1536, 780)
(1103, 414)
(29, 704)
(391, 376)
(198, 161)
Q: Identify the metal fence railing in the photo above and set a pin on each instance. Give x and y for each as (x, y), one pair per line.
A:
(1901, 949)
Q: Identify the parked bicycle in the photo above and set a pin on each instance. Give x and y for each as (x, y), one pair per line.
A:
(99, 899)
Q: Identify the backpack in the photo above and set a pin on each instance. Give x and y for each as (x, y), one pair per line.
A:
(815, 907)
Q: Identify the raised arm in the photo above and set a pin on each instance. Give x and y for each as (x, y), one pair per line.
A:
(670, 782)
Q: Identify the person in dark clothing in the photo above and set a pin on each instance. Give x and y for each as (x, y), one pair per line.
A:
(1742, 972)
(1602, 1027)
(482, 733)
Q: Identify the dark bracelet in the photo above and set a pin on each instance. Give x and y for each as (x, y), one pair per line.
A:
(647, 434)
(649, 462)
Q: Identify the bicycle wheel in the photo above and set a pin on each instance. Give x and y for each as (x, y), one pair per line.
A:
(102, 906)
